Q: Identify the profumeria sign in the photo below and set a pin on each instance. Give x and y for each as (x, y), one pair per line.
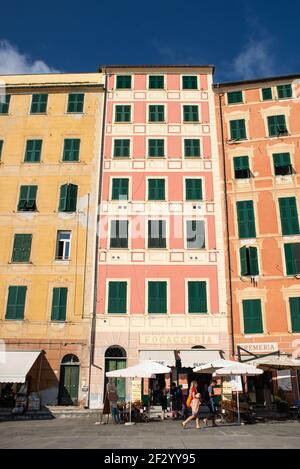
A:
(260, 347)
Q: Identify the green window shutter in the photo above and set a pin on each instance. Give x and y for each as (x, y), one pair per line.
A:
(277, 126)
(289, 216)
(122, 148)
(39, 103)
(22, 248)
(1, 148)
(193, 189)
(63, 198)
(243, 260)
(156, 113)
(72, 198)
(27, 200)
(71, 149)
(189, 82)
(117, 297)
(156, 82)
(59, 304)
(241, 167)
(191, 147)
(253, 261)
(190, 113)
(16, 303)
(292, 258)
(120, 189)
(246, 220)
(156, 147)
(249, 261)
(123, 113)
(284, 91)
(157, 297)
(295, 314)
(235, 97)
(252, 317)
(197, 297)
(156, 189)
(33, 151)
(75, 102)
(267, 94)
(4, 104)
(123, 82)
(238, 129)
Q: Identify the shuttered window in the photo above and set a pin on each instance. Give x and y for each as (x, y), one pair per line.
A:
(1, 149)
(33, 151)
(119, 234)
(252, 317)
(27, 199)
(197, 297)
(192, 147)
(295, 314)
(241, 167)
(157, 297)
(157, 234)
(117, 298)
(59, 304)
(123, 82)
(289, 216)
(249, 261)
(267, 94)
(277, 126)
(238, 129)
(22, 248)
(292, 258)
(75, 102)
(190, 113)
(284, 91)
(195, 234)
(235, 97)
(121, 148)
(156, 147)
(156, 113)
(68, 198)
(120, 187)
(282, 164)
(189, 82)
(156, 82)
(16, 303)
(39, 103)
(156, 189)
(71, 149)
(123, 113)
(4, 104)
(193, 189)
(246, 220)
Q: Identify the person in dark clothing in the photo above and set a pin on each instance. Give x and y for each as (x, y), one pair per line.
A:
(163, 400)
(209, 401)
(176, 400)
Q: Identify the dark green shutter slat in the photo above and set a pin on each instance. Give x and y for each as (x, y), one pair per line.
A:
(39, 103)
(63, 198)
(4, 104)
(22, 248)
(190, 113)
(16, 303)
(156, 147)
(252, 317)
(75, 102)
(123, 113)
(246, 219)
(1, 148)
(267, 94)
(292, 258)
(253, 260)
(156, 82)
(284, 91)
(193, 189)
(123, 82)
(59, 304)
(289, 216)
(157, 297)
(192, 148)
(235, 97)
(243, 260)
(238, 129)
(71, 149)
(33, 151)
(189, 82)
(197, 297)
(156, 113)
(120, 189)
(295, 314)
(117, 297)
(277, 125)
(156, 189)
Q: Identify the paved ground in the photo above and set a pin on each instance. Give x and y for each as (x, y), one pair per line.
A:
(83, 433)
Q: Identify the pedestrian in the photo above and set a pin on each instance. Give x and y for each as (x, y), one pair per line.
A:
(113, 397)
(209, 401)
(195, 405)
(163, 400)
(176, 400)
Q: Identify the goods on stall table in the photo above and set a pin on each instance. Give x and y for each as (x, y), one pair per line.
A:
(34, 402)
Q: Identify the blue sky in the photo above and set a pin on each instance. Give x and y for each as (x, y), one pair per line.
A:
(243, 39)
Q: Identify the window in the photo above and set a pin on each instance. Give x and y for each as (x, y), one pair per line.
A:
(190, 113)
(189, 82)
(193, 189)
(123, 82)
(235, 97)
(119, 234)
(16, 303)
(252, 317)
(249, 261)
(246, 220)
(120, 189)
(33, 151)
(157, 297)
(75, 102)
(289, 216)
(195, 234)
(71, 149)
(282, 164)
(292, 258)
(156, 113)
(156, 147)
(277, 126)
(123, 113)
(156, 189)
(39, 103)
(295, 314)
(117, 298)
(63, 245)
(122, 148)
(267, 94)
(284, 91)
(68, 198)
(192, 147)
(197, 297)
(238, 129)
(59, 304)
(1, 148)
(27, 199)
(157, 234)
(241, 167)
(156, 82)
(4, 104)
(22, 248)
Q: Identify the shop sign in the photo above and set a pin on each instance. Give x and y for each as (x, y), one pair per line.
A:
(260, 347)
(178, 339)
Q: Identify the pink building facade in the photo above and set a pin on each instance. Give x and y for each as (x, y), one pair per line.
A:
(161, 272)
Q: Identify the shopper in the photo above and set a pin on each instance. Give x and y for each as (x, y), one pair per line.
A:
(163, 400)
(195, 406)
(113, 397)
(209, 401)
(176, 400)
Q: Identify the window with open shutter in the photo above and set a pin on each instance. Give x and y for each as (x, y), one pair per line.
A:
(282, 164)
(33, 151)
(1, 149)
(59, 304)
(27, 199)
(120, 187)
(157, 297)
(246, 219)
(39, 103)
(295, 314)
(241, 167)
(4, 104)
(22, 248)
(197, 297)
(68, 198)
(16, 303)
(75, 102)
(192, 147)
(289, 216)
(277, 126)
(156, 189)
(71, 149)
(252, 317)
(238, 129)
(117, 297)
(284, 91)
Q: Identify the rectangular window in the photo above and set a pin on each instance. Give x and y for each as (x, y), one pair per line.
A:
(238, 129)
(156, 189)
(156, 147)
(249, 261)
(193, 189)
(277, 126)
(267, 94)
(292, 258)
(27, 199)
(123, 82)
(189, 82)
(197, 297)
(157, 297)
(235, 97)
(33, 151)
(156, 82)
(39, 104)
(1, 148)
(68, 198)
(120, 189)
(284, 91)
(156, 113)
(192, 147)
(117, 298)
(22, 248)
(63, 245)
(59, 304)
(195, 234)
(75, 102)
(295, 314)
(71, 149)
(252, 317)
(282, 164)
(122, 148)
(190, 113)
(157, 234)
(4, 104)
(119, 234)
(289, 216)
(16, 303)
(241, 167)
(123, 113)
(246, 219)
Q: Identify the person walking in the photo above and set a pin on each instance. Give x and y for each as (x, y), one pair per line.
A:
(176, 400)
(113, 397)
(209, 400)
(195, 406)
(163, 400)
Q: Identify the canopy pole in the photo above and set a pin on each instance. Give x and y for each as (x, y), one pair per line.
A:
(238, 407)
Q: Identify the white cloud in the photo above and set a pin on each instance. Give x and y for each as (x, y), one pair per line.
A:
(255, 60)
(14, 62)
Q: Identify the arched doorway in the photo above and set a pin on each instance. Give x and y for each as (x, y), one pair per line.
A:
(69, 380)
(115, 359)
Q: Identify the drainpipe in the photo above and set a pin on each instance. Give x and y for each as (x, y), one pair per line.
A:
(94, 317)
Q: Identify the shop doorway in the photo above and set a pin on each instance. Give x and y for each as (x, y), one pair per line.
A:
(69, 380)
(115, 359)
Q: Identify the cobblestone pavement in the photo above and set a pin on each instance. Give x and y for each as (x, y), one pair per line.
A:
(85, 433)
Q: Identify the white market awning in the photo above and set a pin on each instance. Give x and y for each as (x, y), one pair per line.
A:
(146, 369)
(14, 365)
(197, 357)
(274, 362)
(164, 357)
